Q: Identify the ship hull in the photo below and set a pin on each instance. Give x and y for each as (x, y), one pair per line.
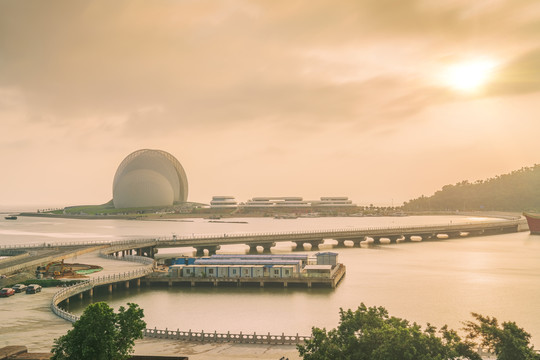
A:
(534, 222)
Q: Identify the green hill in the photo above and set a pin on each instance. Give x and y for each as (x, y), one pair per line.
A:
(516, 191)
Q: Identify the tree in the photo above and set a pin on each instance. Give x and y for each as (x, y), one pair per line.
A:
(101, 334)
(508, 341)
(371, 334)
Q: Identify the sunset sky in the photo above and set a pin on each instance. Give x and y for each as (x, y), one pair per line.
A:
(378, 100)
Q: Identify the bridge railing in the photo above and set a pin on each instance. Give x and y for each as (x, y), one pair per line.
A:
(290, 234)
(249, 338)
(86, 285)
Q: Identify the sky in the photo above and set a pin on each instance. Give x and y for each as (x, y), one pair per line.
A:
(379, 100)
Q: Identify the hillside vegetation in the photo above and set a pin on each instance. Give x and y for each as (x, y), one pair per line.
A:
(516, 191)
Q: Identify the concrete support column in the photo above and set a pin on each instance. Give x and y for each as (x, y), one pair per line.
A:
(299, 245)
(127, 284)
(91, 292)
(315, 244)
(200, 251)
(253, 249)
(212, 249)
(139, 282)
(393, 239)
(376, 240)
(357, 241)
(454, 235)
(340, 243)
(110, 288)
(426, 237)
(81, 295)
(267, 247)
(407, 238)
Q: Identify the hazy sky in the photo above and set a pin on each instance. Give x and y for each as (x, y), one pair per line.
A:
(378, 100)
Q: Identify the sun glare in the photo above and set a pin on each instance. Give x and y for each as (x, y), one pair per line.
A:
(469, 76)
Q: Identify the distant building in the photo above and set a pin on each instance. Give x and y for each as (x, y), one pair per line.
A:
(283, 202)
(223, 202)
(148, 178)
(277, 202)
(334, 201)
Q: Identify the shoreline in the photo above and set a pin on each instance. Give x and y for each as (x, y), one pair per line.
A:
(510, 215)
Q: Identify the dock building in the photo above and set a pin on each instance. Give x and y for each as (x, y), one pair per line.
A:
(322, 268)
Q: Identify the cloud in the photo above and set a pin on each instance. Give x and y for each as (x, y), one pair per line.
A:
(163, 66)
(519, 76)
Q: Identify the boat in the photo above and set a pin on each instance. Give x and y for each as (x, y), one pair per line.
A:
(10, 217)
(534, 222)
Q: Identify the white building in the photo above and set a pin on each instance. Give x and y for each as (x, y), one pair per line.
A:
(223, 202)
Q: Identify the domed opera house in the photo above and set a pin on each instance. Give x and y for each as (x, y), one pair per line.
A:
(149, 178)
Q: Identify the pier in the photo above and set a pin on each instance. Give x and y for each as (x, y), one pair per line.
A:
(304, 281)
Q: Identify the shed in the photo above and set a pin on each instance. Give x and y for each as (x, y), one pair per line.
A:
(326, 258)
(318, 270)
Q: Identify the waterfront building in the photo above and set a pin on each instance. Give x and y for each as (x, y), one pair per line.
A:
(148, 178)
(322, 264)
(334, 201)
(277, 202)
(223, 202)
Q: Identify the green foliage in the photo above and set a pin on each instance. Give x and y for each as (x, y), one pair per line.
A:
(101, 334)
(516, 191)
(371, 334)
(508, 341)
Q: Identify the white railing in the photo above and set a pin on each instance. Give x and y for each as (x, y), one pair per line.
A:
(86, 285)
(248, 338)
(289, 234)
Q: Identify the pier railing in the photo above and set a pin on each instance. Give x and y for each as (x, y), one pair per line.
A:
(201, 336)
(218, 337)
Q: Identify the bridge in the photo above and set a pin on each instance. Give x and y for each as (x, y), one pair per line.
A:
(371, 235)
(212, 243)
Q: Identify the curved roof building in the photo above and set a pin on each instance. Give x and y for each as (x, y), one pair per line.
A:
(148, 178)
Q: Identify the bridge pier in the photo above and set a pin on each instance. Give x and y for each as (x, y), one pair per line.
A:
(454, 234)
(211, 249)
(341, 243)
(315, 244)
(427, 236)
(393, 238)
(376, 240)
(407, 238)
(253, 249)
(267, 247)
(299, 246)
(358, 241)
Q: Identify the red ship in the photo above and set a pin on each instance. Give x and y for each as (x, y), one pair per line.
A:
(534, 222)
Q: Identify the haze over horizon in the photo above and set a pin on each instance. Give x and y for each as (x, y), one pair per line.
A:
(378, 100)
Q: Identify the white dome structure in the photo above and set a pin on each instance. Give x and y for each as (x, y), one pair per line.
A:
(149, 178)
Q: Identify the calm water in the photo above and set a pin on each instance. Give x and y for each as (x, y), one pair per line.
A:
(438, 282)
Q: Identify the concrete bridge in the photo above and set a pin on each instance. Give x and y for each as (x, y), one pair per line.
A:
(212, 243)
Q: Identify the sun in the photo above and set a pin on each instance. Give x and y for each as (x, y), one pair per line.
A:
(468, 76)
